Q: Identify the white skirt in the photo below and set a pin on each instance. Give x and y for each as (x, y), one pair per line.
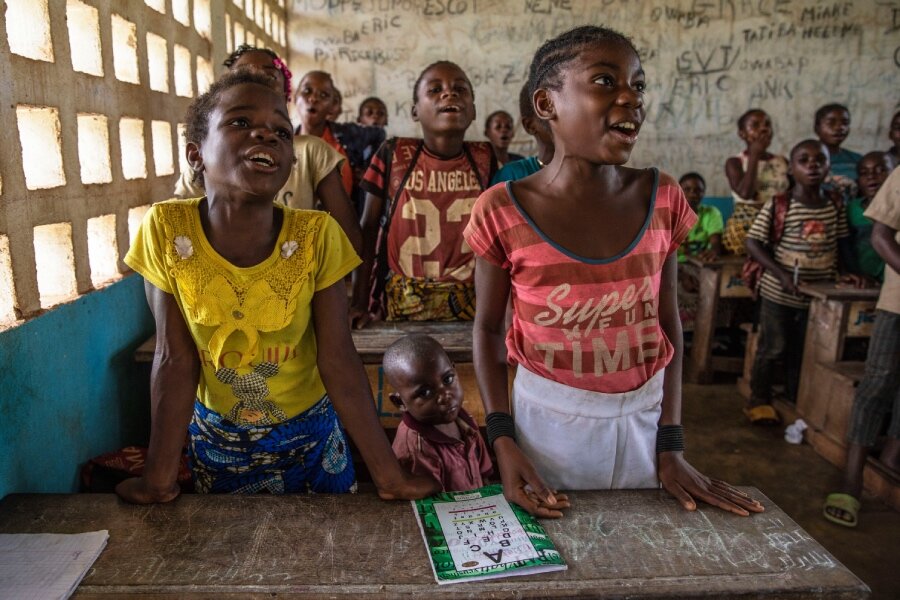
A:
(583, 440)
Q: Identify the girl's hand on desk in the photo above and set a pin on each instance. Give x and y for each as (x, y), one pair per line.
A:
(685, 483)
(137, 491)
(410, 487)
(522, 484)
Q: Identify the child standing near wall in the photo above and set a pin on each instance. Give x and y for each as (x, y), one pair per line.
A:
(832, 126)
(317, 100)
(499, 130)
(253, 354)
(879, 391)
(316, 172)
(872, 171)
(373, 112)
(420, 193)
(814, 231)
(437, 437)
(587, 249)
(542, 138)
(755, 176)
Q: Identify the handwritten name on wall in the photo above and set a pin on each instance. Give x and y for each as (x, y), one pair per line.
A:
(707, 61)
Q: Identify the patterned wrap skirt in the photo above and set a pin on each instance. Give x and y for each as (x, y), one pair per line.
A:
(307, 453)
(422, 300)
(738, 225)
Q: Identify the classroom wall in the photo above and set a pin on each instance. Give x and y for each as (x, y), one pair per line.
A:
(707, 61)
(70, 389)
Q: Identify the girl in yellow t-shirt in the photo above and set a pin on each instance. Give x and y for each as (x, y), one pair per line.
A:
(253, 343)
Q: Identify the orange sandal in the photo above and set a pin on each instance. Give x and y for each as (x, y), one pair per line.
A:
(762, 414)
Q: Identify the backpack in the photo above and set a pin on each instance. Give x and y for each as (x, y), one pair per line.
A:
(403, 153)
(752, 270)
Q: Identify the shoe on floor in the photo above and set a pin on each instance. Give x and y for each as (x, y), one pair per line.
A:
(842, 509)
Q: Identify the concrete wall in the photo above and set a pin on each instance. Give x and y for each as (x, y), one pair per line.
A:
(706, 62)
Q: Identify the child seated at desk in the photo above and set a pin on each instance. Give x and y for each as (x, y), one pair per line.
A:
(436, 437)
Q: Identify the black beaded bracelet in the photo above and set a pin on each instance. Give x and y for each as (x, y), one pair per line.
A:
(670, 438)
(499, 425)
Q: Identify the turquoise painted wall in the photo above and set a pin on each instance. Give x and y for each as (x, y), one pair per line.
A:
(70, 389)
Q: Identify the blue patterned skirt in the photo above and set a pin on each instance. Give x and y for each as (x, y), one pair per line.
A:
(308, 453)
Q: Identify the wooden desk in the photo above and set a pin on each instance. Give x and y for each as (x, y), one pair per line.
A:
(718, 279)
(638, 544)
(835, 314)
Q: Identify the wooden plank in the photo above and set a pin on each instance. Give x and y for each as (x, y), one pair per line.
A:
(627, 543)
(371, 342)
(455, 337)
(835, 291)
(698, 368)
(731, 285)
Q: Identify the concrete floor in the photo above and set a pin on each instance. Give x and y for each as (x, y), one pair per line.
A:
(721, 443)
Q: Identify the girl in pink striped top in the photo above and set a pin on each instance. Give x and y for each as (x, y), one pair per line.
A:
(585, 250)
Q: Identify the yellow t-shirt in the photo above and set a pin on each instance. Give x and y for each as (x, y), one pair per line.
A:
(315, 160)
(252, 326)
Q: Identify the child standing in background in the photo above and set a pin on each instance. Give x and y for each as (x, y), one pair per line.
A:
(542, 138)
(436, 437)
(705, 237)
(755, 176)
(499, 130)
(316, 102)
(873, 169)
(372, 112)
(421, 192)
(814, 233)
(832, 126)
(586, 247)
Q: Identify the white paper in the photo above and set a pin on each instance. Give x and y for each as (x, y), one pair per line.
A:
(43, 566)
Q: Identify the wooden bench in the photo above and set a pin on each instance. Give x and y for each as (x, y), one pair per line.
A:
(718, 279)
(371, 342)
(622, 543)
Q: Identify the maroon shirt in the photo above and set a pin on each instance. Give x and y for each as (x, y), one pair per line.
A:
(459, 465)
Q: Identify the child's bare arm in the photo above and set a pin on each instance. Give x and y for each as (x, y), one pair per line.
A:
(884, 240)
(765, 258)
(521, 483)
(679, 478)
(173, 388)
(345, 379)
(334, 199)
(741, 181)
(362, 276)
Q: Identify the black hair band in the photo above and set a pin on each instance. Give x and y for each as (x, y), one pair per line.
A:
(499, 425)
(670, 438)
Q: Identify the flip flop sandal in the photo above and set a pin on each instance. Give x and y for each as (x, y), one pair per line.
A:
(846, 504)
(763, 414)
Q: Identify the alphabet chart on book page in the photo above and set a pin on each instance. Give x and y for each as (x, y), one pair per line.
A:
(479, 535)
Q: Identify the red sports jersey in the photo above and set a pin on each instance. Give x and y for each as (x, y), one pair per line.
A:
(425, 235)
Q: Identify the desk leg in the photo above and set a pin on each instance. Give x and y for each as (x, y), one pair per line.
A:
(825, 333)
(700, 364)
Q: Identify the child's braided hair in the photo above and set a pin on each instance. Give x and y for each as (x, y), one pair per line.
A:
(196, 119)
(276, 60)
(546, 66)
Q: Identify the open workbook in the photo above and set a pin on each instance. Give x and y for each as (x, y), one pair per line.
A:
(479, 535)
